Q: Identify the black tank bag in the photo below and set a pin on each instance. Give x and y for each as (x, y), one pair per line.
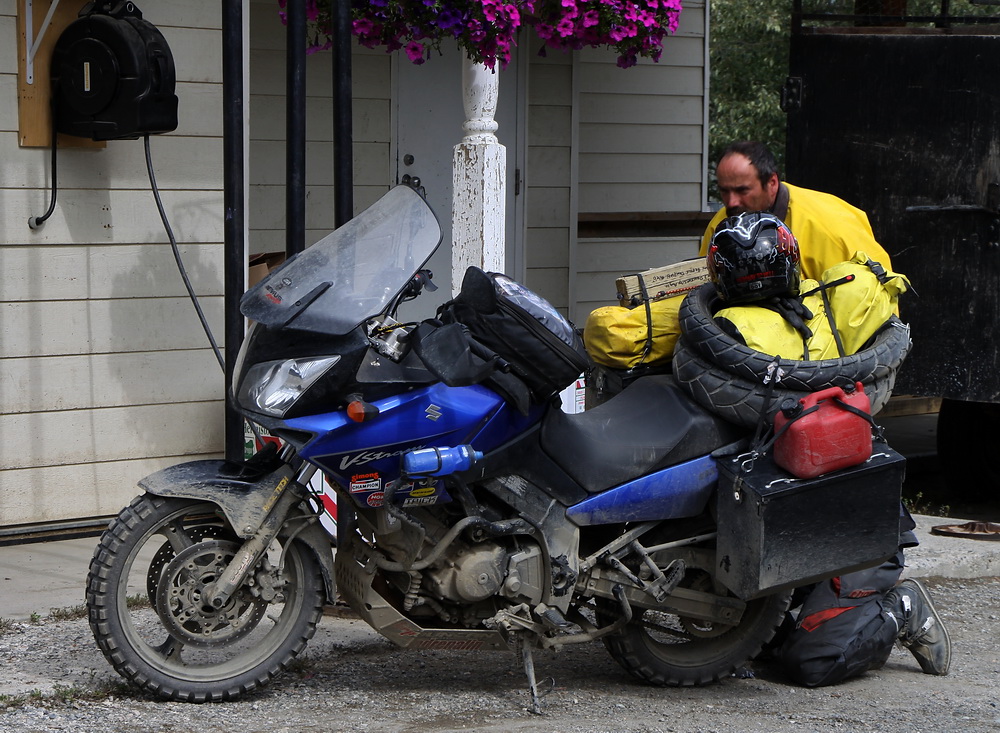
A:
(542, 347)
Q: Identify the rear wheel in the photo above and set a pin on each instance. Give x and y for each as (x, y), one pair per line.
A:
(144, 598)
(664, 648)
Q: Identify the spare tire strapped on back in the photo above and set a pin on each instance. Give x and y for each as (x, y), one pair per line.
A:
(727, 378)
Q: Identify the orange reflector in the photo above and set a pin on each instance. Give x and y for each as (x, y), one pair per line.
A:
(360, 411)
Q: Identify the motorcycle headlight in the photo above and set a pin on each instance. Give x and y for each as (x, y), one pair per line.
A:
(272, 387)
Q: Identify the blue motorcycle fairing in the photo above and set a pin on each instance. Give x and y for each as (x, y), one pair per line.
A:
(673, 493)
(365, 456)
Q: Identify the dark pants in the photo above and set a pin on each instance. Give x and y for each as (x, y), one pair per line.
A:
(842, 629)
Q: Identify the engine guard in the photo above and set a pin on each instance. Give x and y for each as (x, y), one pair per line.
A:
(245, 501)
(357, 579)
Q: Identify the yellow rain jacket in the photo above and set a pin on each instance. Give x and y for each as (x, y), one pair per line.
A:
(829, 231)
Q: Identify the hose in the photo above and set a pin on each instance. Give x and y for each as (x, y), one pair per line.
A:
(36, 221)
(176, 251)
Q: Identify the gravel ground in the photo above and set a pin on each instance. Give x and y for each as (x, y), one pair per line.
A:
(55, 679)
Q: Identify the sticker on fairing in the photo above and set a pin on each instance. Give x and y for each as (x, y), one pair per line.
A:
(421, 501)
(364, 482)
(376, 499)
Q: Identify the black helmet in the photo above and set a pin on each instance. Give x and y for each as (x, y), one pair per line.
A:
(753, 256)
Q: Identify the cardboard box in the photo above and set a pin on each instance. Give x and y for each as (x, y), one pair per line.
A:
(261, 264)
(663, 282)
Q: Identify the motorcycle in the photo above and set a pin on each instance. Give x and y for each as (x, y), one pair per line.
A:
(474, 513)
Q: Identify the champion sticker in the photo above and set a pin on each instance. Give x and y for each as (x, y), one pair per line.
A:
(364, 482)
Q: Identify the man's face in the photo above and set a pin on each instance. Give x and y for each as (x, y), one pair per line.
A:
(741, 188)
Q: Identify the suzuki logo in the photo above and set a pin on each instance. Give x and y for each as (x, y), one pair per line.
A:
(433, 412)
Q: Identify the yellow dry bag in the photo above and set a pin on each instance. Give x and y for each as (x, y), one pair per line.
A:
(623, 338)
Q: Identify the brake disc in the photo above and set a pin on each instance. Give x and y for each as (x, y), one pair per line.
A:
(166, 553)
(181, 604)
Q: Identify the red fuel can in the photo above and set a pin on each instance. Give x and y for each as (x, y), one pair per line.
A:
(827, 438)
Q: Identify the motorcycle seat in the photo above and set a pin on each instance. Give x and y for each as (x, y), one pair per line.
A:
(648, 426)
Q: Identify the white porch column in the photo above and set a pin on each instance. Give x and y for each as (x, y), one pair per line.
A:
(479, 174)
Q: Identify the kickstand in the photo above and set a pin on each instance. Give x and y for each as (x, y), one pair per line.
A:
(529, 670)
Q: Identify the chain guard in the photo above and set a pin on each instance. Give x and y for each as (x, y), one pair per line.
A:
(697, 627)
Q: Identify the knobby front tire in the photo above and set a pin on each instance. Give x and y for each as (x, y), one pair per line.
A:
(143, 598)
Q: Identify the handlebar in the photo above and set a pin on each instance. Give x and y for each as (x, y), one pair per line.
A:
(488, 355)
(421, 280)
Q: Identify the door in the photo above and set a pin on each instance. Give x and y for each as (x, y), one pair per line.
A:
(916, 120)
(428, 125)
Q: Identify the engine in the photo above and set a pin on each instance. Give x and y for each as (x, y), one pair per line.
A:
(473, 573)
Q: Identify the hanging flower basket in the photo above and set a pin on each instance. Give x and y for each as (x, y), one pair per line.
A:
(486, 30)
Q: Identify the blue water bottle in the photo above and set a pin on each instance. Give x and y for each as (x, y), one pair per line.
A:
(440, 461)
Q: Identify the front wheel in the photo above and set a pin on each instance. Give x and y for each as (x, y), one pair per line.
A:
(662, 648)
(143, 598)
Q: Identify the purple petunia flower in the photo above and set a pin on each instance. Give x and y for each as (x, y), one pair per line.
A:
(415, 52)
(486, 29)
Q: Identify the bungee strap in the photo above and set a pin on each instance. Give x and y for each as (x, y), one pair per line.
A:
(821, 289)
(648, 346)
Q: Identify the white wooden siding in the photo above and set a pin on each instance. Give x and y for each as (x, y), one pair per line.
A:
(550, 208)
(641, 128)
(54, 493)
(641, 150)
(105, 374)
(603, 260)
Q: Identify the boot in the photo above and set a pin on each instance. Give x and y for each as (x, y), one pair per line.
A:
(920, 628)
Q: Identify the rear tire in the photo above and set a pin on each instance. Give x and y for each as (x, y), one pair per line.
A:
(143, 598)
(669, 650)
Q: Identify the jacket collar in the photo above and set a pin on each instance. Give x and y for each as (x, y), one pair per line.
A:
(780, 206)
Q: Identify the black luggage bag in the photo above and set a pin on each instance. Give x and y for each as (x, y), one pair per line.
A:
(542, 347)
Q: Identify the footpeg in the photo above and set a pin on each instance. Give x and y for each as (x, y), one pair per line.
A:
(664, 585)
(553, 618)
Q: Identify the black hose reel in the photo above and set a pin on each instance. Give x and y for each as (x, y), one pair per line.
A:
(113, 75)
(112, 79)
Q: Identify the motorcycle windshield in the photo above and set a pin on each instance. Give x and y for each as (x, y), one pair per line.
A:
(351, 274)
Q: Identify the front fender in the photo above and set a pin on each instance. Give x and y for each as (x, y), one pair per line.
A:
(244, 499)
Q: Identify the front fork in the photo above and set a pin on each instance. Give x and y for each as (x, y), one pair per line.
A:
(257, 499)
(246, 558)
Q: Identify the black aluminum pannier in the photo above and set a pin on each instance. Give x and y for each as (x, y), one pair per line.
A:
(777, 531)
